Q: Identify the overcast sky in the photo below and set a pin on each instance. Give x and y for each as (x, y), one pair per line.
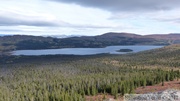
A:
(89, 17)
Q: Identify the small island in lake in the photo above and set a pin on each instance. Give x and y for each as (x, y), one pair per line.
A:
(124, 50)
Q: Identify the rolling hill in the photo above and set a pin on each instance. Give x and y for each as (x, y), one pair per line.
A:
(22, 42)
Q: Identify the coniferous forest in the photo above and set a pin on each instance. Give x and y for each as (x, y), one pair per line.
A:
(72, 78)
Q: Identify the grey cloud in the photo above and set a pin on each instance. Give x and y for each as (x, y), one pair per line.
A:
(10, 30)
(5, 21)
(12, 21)
(174, 20)
(126, 5)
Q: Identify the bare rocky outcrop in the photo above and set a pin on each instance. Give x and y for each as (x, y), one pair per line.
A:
(167, 95)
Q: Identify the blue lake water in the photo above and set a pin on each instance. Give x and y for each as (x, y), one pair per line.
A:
(84, 51)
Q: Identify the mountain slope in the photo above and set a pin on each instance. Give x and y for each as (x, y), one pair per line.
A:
(21, 42)
(173, 38)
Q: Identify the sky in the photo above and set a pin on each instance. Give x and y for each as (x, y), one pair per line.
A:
(89, 17)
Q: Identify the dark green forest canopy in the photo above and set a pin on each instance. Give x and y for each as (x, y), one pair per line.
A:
(71, 78)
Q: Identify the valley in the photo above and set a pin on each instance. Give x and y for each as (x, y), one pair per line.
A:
(73, 77)
(25, 42)
(89, 50)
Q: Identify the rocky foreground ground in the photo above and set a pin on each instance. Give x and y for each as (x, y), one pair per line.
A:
(167, 95)
(169, 92)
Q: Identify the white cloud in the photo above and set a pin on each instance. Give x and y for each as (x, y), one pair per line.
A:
(47, 17)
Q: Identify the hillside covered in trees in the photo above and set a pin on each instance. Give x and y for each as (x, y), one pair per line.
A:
(23, 42)
(73, 78)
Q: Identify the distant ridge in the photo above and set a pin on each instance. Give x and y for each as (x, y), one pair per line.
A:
(155, 36)
(61, 36)
(122, 34)
(21, 42)
(173, 36)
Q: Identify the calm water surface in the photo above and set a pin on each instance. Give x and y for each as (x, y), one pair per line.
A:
(84, 51)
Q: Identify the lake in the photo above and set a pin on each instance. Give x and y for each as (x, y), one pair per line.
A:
(84, 51)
